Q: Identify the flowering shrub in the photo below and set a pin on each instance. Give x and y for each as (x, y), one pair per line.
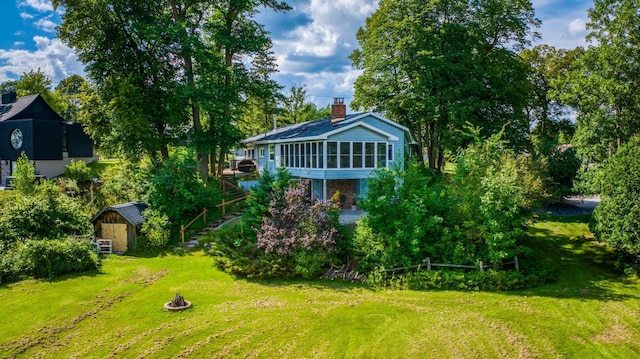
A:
(302, 234)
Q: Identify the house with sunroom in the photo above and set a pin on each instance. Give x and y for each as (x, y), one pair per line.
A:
(336, 154)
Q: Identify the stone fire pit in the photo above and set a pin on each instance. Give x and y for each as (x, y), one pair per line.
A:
(177, 304)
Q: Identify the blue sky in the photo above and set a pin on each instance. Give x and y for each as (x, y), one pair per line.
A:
(312, 42)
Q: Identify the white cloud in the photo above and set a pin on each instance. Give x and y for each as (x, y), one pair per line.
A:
(26, 16)
(316, 54)
(311, 40)
(18, 43)
(38, 5)
(45, 25)
(565, 33)
(577, 27)
(563, 23)
(54, 58)
(332, 28)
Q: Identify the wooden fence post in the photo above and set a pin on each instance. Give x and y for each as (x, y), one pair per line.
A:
(515, 259)
(182, 232)
(205, 215)
(481, 267)
(223, 208)
(428, 263)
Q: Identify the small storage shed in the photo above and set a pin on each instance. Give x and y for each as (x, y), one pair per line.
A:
(121, 224)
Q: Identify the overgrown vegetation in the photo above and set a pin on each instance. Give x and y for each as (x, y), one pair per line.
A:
(616, 220)
(478, 214)
(283, 233)
(48, 258)
(36, 222)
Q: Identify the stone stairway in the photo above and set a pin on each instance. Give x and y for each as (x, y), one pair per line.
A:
(231, 192)
(212, 226)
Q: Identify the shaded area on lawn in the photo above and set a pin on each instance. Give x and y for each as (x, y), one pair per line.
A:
(583, 265)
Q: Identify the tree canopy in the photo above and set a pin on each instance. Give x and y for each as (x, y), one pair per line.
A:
(169, 70)
(434, 65)
(603, 85)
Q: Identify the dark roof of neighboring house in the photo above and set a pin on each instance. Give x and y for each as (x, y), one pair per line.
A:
(10, 110)
(305, 129)
(131, 211)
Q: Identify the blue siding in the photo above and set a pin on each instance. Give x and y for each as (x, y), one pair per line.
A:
(358, 134)
(355, 134)
(398, 146)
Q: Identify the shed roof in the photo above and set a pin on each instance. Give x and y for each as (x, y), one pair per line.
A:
(131, 211)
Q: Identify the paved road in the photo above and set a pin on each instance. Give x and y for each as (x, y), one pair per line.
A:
(570, 206)
(573, 206)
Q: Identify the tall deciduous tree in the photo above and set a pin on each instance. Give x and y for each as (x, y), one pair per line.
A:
(603, 87)
(297, 109)
(433, 65)
(162, 67)
(234, 36)
(70, 92)
(128, 47)
(36, 82)
(546, 113)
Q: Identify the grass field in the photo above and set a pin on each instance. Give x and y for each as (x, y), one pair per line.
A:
(99, 166)
(589, 312)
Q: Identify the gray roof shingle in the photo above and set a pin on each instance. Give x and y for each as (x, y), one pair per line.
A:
(11, 110)
(301, 130)
(131, 211)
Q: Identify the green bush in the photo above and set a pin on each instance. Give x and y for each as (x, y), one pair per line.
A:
(155, 230)
(616, 220)
(25, 175)
(177, 191)
(48, 258)
(481, 211)
(490, 280)
(234, 251)
(77, 171)
(46, 213)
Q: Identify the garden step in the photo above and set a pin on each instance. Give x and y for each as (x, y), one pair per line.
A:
(192, 243)
(211, 227)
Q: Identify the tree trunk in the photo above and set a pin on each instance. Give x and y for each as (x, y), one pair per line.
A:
(179, 14)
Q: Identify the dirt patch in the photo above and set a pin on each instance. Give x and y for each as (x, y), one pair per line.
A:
(146, 277)
(615, 334)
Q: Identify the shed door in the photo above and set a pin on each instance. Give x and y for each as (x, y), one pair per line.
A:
(117, 232)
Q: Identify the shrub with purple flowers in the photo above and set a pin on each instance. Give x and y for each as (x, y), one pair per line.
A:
(300, 233)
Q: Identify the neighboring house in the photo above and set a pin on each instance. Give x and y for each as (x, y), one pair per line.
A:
(121, 224)
(336, 153)
(28, 124)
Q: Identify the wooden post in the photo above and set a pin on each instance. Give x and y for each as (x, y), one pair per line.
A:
(481, 267)
(515, 259)
(182, 232)
(428, 263)
(223, 209)
(204, 211)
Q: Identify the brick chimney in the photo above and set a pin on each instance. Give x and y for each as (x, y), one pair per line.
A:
(338, 110)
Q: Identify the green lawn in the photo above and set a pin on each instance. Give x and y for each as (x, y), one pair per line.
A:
(590, 312)
(99, 166)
